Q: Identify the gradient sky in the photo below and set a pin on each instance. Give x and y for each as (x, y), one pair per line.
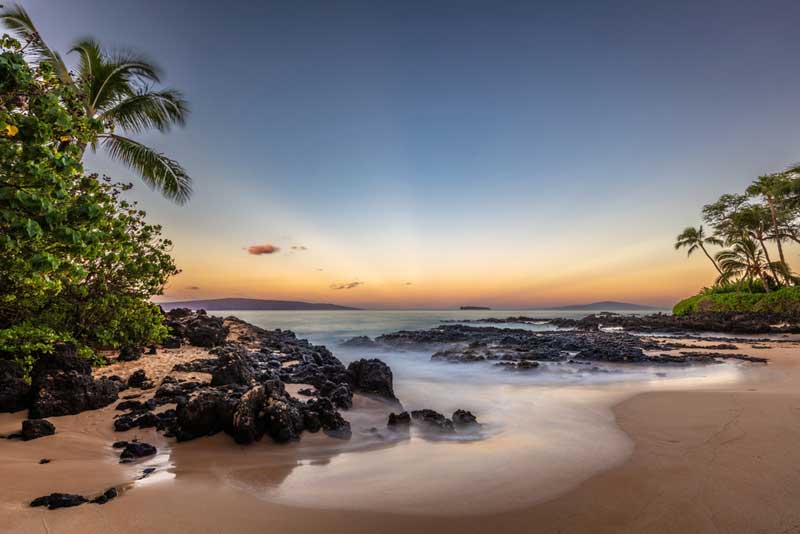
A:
(433, 154)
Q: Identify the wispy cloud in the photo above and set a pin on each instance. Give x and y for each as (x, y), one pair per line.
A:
(299, 247)
(348, 285)
(258, 250)
(408, 283)
(193, 288)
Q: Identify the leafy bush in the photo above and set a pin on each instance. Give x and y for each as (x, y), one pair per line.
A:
(784, 301)
(77, 261)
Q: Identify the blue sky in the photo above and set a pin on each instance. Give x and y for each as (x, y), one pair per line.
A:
(437, 152)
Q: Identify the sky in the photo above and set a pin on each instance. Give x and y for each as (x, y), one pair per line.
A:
(436, 154)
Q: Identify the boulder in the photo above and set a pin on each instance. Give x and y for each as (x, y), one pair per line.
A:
(339, 394)
(284, 422)
(14, 389)
(37, 428)
(62, 384)
(200, 329)
(431, 420)
(136, 449)
(59, 500)
(209, 412)
(172, 342)
(137, 378)
(400, 421)
(129, 353)
(331, 421)
(464, 420)
(249, 423)
(106, 496)
(372, 377)
(233, 366)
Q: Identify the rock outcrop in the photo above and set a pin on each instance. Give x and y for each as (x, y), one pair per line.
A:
(14, 389)
(62, 384)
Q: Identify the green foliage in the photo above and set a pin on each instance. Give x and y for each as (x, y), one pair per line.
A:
(22, 343)
(785, 301)
(77, 261)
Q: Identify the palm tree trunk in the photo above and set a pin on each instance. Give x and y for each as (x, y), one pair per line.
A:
(710, 258)
(766, 255)
(773, 214)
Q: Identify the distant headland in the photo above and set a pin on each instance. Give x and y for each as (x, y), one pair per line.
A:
(475, 308)
(251, 304)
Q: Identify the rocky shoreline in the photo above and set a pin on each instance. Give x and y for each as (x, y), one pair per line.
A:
(236, 385)
(525, 350)
(723, 322)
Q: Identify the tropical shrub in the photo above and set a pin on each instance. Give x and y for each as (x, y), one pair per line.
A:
(78, 262)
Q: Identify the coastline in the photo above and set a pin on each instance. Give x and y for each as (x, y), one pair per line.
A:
(676, 471)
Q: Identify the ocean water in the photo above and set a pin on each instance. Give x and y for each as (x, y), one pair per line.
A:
(544, 431)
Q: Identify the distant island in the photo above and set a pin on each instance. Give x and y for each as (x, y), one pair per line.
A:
(251, 305)
(475, 308)
(605, 305)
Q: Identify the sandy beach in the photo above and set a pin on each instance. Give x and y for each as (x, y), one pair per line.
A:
(718, 458)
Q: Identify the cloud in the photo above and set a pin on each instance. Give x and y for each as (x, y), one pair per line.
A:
(299, 247)
(408, 283)
(348, 285)
(258, 250)
(193, 288)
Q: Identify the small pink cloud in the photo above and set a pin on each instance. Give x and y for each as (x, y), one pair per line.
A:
(258, 250)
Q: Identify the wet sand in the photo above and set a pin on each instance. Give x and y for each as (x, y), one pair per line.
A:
(722, 458)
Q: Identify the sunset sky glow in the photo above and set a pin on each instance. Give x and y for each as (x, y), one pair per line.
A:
(427, 155)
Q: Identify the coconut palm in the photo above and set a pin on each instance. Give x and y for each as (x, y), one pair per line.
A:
(742, 261)
(772, 187)
(117, 90)
(695, 238)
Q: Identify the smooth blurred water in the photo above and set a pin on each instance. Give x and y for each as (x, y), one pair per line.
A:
(545, 430)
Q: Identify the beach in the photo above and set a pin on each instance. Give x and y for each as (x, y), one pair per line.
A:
(692, 453)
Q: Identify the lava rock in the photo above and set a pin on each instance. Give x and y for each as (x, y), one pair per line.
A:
(464, 420)
(14, 389)
(106, 496)
(129, 353)
(62, 384)
(137, 378)
(249, 422)
(137, 449)
(399, 421)
(233, 366)
(432, 421)
(37, 428)
(284, 422)
(172, 342)
(59, 500)
(209, 412)
(372, 377)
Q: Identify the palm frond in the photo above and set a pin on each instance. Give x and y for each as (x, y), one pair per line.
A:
(157, 170)
(16, 19)
(149, 109)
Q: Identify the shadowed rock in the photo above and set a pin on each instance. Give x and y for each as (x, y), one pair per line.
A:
(37, 428)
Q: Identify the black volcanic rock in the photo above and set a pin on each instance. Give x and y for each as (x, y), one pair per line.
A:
(129, 353)
(14, 389)
(59, 500)
(37, 428)
(137, 379)
(372, 377)
(137, 449)
(62, 384)
(464, 420)
(233, 366)
(431, 420)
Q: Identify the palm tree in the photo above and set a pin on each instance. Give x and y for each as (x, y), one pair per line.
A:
(116, 89)
(771, 188)
(695, 238)
(744, 260)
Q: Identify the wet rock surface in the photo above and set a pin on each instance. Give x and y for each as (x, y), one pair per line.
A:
(36, 428)
(59, 500)
(136, 449)
(62, 384)
(525, 350)
(372, 377)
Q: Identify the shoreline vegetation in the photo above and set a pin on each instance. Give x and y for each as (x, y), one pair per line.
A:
(751, 229)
